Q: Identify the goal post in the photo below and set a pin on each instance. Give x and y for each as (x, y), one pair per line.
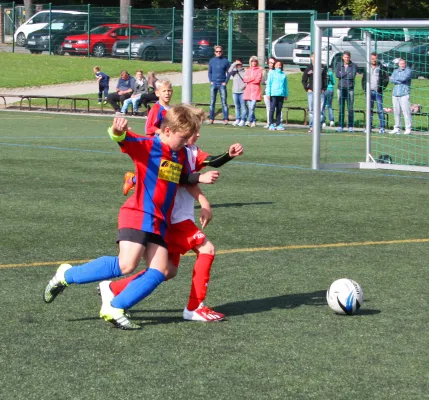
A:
(370, 150)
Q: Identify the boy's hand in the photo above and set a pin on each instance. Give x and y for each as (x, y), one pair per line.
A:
(235, 150)
(209, 177)
(120, 125)
(206, 216)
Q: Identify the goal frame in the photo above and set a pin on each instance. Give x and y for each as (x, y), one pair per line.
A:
(369, 162)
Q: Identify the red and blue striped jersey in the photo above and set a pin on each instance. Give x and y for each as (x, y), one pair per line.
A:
(154, 119)
(158, 170)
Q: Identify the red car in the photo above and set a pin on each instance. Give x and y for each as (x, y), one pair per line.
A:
(103, 37)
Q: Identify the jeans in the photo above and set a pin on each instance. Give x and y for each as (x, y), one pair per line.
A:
(378, 98)
(127, 102)
(311, 108)
(103, 88)
(276, 104)
(329, 96)
(240, 106)
(218, 87)
(346, 95)
(251, 105)
(402, 104)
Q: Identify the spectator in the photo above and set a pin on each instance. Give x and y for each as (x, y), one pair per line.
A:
(236, 70)
(218, 78)
(140, 88)
(124, 89)
(401, 78)
(378, 81)
(329, 96)
(307, 82)
(252, 92)
(346, 73)
(271, 62)
(103, 84)
(277, 91)
(151, 95)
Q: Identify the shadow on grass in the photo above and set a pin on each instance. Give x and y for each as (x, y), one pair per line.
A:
(256, 203)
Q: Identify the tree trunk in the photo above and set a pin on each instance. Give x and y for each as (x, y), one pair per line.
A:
(28, 7)
(125, 7)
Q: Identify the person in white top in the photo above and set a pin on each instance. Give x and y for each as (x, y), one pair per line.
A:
(184, 235)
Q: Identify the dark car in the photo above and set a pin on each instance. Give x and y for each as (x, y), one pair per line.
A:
(38, 41)
(160, 47)
(416, 54)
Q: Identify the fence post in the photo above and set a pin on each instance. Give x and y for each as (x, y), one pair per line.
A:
(1, 25)
(230, 35)
(89, 28)
(218, 26)
(270, 35)
(130, 18)
(173, 28)
(13, 27)
(50, 26)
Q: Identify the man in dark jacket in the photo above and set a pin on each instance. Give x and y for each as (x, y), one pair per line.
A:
(307, 82)
(124, 90)
(218, 78)
(378, 81)
(346, 73)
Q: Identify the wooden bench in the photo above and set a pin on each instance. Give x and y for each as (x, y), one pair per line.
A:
(29, 98)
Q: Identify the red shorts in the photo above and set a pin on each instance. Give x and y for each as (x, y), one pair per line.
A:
(181, 238)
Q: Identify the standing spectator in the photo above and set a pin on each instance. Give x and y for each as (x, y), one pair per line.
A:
(151, 95)
(252, 92)
(378, 81)
(103, 84)
(140, 88)
(124, 89)
(236, 70)
(401, 78)
(346, 73)
(277, 91)
(218, 78)
(307, 82)
(329, 96)
(271, 62)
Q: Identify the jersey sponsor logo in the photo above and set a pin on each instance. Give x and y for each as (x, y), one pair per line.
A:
(170, 171)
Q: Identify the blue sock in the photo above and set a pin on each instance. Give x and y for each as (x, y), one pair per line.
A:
(134, 179)
(138, 289)
(97, 270)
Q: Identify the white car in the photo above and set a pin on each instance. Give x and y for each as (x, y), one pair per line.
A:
(352, 41)
(39, 21)
(283, 47)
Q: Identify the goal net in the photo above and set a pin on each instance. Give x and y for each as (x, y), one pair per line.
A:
(366, 146)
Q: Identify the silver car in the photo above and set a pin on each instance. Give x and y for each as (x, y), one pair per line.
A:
(283, 47)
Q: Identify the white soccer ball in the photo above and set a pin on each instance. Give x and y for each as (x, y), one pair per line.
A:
(345, 296)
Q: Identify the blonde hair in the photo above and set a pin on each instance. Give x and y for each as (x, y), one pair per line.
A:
(253, 58)
(163, 82)
(199, 113)
(181, 118)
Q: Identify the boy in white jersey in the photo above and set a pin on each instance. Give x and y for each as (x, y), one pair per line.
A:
(184, 235)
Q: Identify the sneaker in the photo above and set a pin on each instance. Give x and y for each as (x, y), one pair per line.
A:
(364, 131)
(266, 126)
(211, 121)
(280, 128)
(56, 285)
(117, 317)
(225, 122)
(247, 123)
(253, 124)
(397, 131)
(407, 132)
(99, 102)
(242, 123)
(236, 123)
(105, 292)
(310, 130)
(128, 182)
(272, 127)
(203, 314)
(339, 129)
(381, 131)
(104, 102)
(332, 123)
(323, 126)
(119, 114)
(350, 129)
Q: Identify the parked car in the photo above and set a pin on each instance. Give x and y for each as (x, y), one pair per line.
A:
(40, 21)
(416, 54)
(103, 37)
(283, 47)
(160, 47)
(38, 41)
(352, 41)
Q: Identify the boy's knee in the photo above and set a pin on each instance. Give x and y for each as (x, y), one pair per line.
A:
(207, 248)
(127, 265)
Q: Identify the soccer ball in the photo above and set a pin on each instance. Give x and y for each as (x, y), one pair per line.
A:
(345, 296)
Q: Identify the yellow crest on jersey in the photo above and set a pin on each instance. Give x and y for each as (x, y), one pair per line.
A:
(170, 171)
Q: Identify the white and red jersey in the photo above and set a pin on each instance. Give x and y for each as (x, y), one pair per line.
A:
(183, 208)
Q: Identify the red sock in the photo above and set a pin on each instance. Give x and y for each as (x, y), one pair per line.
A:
(200, 280)
(118, 286)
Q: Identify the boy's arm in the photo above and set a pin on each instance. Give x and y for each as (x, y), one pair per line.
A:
(234, 150)
(210, 72)
(118, 130)
(206, 213)
(152, 122)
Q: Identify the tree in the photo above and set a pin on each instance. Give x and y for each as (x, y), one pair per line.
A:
(28, 7)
